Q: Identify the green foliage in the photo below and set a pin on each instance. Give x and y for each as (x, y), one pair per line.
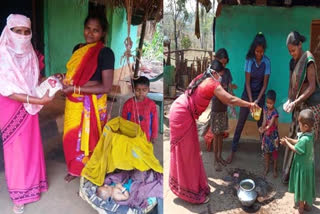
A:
(154, 49)
(186, 42)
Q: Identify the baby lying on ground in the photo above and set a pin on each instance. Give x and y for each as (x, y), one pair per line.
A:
(117, 192)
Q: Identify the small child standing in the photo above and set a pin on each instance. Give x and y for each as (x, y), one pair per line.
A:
(142, 110)
(219, 114)
(302, 173)
(270, 134)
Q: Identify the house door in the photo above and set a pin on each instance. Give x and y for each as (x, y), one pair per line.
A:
(315, 43)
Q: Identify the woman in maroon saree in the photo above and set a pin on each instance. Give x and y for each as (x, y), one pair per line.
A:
(187, 178)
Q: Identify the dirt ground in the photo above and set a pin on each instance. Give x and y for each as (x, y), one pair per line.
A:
(222, 197)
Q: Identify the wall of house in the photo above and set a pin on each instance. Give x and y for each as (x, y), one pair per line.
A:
(236, 28)
(64, 29)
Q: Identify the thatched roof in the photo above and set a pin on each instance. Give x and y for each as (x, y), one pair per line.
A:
(148, 9)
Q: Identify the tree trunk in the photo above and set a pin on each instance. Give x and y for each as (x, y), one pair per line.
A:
(175, 32)
(214, 33)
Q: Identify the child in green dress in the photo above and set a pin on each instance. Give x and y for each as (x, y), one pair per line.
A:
(302, 173)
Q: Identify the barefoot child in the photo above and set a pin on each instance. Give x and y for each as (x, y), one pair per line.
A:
(142, 110)
(302, 173)
(270, 134)
(219, 114)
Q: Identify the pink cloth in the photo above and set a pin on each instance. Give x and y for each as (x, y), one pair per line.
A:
(19, 66)
(25, 169)
(187, 178)
(148, 116)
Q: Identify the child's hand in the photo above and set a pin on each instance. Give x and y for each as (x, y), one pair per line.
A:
(261, 130)
(283, 141)
(288, 139)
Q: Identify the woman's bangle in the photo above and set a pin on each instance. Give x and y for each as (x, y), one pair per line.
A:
(28, 99)
(79, 90)
(123, 191)
(74, 89)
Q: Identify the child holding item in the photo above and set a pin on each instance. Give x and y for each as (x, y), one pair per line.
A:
(269, 130)
(302, 173)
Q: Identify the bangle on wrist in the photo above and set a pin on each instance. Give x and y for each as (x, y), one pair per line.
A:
(74, 89)
(28, 99)
(79, 90)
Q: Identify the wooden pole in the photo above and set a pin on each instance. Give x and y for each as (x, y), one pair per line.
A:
(139, 53)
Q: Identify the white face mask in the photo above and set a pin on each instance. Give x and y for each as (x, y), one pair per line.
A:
(19, 43)
(219, 79)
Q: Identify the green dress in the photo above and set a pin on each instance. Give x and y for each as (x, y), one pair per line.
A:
(302, 173)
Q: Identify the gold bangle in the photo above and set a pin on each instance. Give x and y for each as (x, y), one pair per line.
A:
(79, 90)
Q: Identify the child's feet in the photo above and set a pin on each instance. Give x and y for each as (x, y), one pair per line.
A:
(69, 178)
(223, 162)
(307, 207)
(266, 171)
(18, 209)
(217, 166)
(298, 211)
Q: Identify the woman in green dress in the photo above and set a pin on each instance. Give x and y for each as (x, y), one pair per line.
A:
(302, 173)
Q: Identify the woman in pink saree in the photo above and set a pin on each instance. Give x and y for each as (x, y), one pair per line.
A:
(187, 178)
(19, 106)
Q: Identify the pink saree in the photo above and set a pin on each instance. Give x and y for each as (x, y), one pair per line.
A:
(187, 178)
(23, 154)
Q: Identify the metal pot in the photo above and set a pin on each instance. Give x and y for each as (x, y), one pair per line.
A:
(246, 193)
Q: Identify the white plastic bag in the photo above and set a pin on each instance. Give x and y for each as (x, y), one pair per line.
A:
(288, 106)
(52, 84)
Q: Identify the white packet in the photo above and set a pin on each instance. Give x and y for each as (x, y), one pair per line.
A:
(52, 84)
(285, 106)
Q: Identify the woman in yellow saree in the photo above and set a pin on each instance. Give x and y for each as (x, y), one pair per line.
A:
(88, 80)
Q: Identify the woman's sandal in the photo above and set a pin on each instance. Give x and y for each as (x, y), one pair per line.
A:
(207, 200)
(18, 209)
